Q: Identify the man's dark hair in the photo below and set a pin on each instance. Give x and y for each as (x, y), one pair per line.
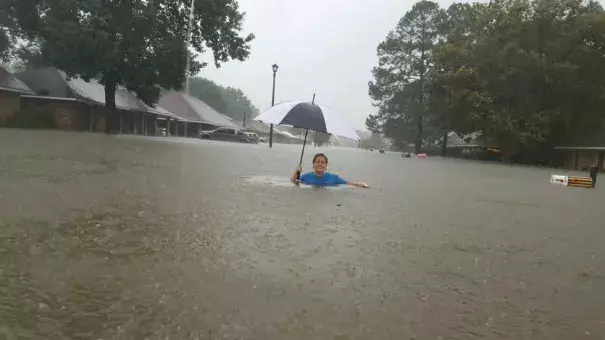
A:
(320, 155)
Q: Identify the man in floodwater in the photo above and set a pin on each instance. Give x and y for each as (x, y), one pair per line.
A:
(594, 169)
(319, 176)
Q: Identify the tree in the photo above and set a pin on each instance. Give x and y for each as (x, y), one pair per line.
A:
(141, 44)
(374, 142)
(526, 74)
(321, 138)
(404, 61)
(238, 104)
(5, 44)
(228, 100)
(373, 123)
(17, 19)
(460, 29)
(529, 60)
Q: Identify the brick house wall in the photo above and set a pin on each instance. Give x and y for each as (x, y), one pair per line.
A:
(98, 119)
(28, 111)
(10, 104)
(584, 159)
(59, 114)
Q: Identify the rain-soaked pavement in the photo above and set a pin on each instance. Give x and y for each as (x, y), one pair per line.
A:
(123, 237)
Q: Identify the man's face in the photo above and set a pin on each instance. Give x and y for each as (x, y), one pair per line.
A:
(320, 165)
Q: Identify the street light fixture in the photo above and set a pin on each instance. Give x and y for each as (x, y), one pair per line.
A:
(275, 68)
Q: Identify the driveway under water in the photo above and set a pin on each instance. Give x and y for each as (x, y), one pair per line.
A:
(124, 237)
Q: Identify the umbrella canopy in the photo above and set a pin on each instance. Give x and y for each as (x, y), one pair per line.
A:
(307, 115)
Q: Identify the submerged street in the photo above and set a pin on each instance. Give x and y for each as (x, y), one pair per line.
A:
(125, 237)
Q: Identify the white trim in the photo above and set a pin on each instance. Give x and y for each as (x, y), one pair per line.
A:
(51, 98)
(94, 103)
(10, 89)
(579, 147)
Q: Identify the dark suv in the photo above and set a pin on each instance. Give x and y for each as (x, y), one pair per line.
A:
(228, 135)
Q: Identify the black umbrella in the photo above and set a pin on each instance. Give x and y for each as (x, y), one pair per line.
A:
(309, 116)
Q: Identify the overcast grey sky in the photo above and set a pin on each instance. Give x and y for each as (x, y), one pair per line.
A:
(327, 47)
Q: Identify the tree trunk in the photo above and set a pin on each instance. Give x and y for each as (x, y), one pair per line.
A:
(420, 115)
(444, 144)
(507, 157)
(418, 143)
(112, 124)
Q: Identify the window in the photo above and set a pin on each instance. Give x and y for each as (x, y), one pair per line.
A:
(226, 131)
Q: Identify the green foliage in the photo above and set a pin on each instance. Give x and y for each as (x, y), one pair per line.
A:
(321, 138)
(238, 103)
(208, 92)
(373, 123)
(527, 74)
(5, 45)
(18, 19)
(141, 44)
(228, 100)
(375, 142)
(404, 60)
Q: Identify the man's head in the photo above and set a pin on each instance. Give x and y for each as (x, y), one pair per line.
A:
(320, 163)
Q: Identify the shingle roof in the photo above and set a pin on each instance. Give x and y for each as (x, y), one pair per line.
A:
(193, 109)
(10, 82)
(125, 99)
(56, 84)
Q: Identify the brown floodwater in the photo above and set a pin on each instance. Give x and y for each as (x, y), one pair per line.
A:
(124, 237)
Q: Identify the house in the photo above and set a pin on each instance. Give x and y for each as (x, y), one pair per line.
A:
(11, 89)
(583, 154)
(280, 135)
(9, 82)
(197, 114)
(71, 103)
(471, 146)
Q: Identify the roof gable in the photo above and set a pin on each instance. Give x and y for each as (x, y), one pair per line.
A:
(10, 82)
(193, 109)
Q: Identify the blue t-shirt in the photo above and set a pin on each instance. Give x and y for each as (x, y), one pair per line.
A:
(328, 179)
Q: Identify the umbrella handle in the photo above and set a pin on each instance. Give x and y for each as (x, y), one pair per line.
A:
(302, 153)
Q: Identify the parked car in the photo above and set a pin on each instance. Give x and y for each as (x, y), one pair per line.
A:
(160, 131)
(253, 136)
(228, 135)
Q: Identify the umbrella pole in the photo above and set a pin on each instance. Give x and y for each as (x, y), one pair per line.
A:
(302, 153)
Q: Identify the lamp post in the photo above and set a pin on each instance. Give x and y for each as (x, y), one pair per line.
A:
(275, 68)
